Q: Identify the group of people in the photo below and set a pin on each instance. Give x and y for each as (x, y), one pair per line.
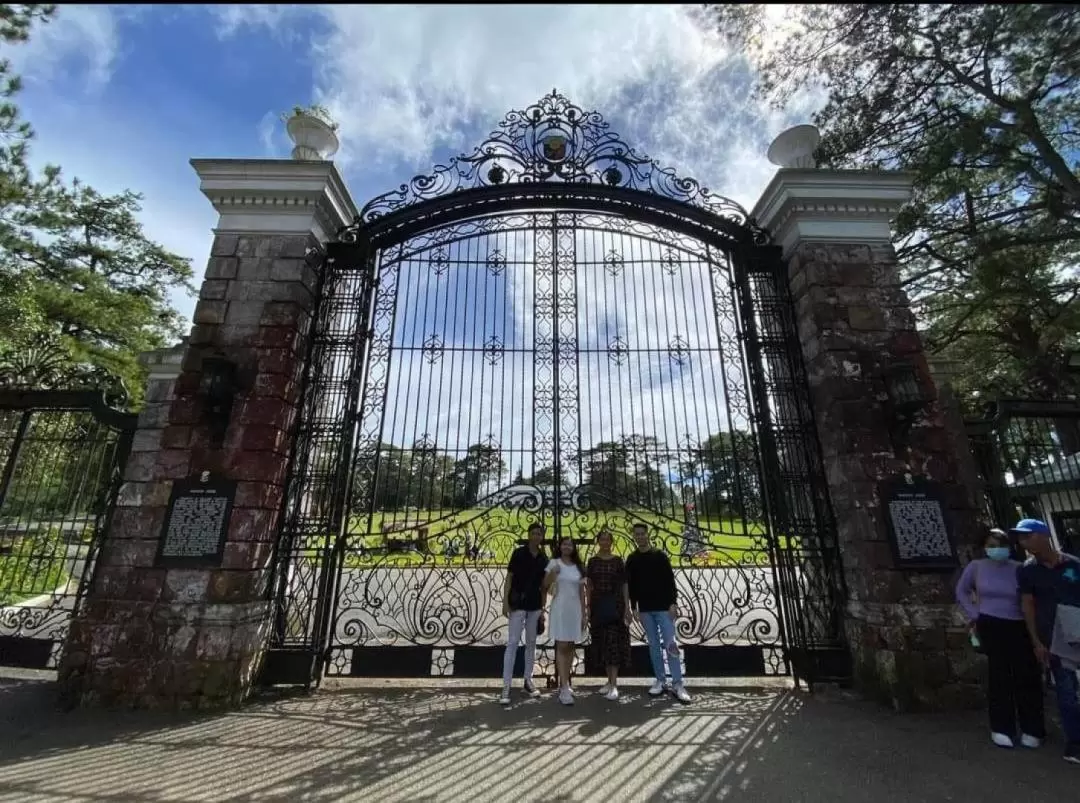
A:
(597, 603)
(1025, 617)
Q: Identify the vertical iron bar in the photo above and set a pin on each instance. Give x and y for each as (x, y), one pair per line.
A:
(556, 419)
(13, 455)
(295, 473)
(326, 604)
(769, 460)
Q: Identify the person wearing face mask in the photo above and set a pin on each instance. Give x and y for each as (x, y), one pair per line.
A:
(989, 593)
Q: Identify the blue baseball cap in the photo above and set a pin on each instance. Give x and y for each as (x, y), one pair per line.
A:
(1031, 527)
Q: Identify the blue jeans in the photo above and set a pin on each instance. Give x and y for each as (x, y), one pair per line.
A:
(1068, 697)
(660, 632)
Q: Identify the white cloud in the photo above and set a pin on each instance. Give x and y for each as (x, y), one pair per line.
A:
(272, 136)
(406, 81)
(77, 41)
(409, 82)
(232, 18)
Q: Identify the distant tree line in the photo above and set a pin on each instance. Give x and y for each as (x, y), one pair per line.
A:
(719, 476)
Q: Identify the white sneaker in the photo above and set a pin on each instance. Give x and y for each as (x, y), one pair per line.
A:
(1001, 740)
(657, 689)
(1030, 742)
(505, 698)
(612, 694)
(566, 697)
(681, 694)
(531, 690)
(605, 689)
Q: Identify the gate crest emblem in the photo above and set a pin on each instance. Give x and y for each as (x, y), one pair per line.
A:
(554, 147)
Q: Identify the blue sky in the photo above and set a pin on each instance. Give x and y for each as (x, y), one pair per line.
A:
(124, 96)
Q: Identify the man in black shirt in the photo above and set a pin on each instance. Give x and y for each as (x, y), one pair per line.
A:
(1050, 579)
(651, 583)
(523, 604)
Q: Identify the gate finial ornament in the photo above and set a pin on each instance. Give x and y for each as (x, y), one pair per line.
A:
(795, 147)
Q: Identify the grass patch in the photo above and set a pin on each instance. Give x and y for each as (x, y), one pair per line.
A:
(31, 565)
(486, 537)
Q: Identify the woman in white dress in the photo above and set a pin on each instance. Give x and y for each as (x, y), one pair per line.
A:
(565, 580)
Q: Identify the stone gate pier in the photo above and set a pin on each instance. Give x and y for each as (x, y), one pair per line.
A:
(908, 645)
(148, 635)
(155, 633)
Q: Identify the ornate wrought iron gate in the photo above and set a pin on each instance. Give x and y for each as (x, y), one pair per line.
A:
(552, 329)
(1028, 455)
(61, 458)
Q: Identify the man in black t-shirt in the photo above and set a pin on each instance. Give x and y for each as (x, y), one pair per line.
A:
(651, 584)
(523, 603)
(1049, 579)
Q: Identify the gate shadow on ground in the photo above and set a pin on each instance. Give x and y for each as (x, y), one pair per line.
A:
(458, 745)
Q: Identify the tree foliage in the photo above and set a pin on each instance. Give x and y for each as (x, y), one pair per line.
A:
(724, 467)
(981, 103)
(423, 477)
(626, 473)
(83, 290)
(99, 283)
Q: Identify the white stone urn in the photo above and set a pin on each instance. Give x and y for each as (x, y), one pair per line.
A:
(313, 133)
(795, 147)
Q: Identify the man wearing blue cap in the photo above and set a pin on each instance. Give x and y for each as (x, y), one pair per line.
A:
(1049, 579)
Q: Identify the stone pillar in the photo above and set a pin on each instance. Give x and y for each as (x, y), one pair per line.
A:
(909, 646)
(163, 637)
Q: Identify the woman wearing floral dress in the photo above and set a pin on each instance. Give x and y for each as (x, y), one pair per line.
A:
(609, 609)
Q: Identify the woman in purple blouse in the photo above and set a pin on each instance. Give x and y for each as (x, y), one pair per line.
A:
(988, 593)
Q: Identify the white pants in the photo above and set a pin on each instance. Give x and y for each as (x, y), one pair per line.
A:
(520, 621)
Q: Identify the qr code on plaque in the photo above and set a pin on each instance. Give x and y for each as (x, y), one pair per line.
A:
(920, 529)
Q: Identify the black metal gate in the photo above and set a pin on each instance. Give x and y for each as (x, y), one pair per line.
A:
(1028, 453)
(61, 457)
(552, 329)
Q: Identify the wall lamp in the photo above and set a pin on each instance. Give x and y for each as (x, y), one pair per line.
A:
(906, 400)
(218, 388)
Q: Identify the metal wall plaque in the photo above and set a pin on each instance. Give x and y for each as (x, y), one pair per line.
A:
(917, 522)
(196, 522)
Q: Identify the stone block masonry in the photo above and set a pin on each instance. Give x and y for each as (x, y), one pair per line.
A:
(907, 640)
(153, 637)
(909, 645)
(193, 638)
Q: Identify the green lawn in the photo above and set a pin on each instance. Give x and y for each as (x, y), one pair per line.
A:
(495, 533)
(31, 565)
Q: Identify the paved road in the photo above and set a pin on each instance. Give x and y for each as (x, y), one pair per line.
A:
(449, 745)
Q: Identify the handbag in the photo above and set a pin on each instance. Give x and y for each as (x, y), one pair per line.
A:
(1066, 638)
(605, 610)
(1069, 616)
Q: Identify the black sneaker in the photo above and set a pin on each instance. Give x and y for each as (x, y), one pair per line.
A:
(1072, 754)
(531, 690)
